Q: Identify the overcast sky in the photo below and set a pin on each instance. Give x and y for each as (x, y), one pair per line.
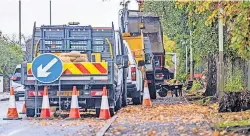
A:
(87, 12)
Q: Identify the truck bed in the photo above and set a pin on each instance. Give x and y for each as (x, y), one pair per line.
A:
(95, 42)
(152, 29)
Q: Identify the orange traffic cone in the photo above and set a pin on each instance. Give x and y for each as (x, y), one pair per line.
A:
(45, 113)
(24, 109)
(104, 113)
(146, 97)
(12, 111)
(74, 108)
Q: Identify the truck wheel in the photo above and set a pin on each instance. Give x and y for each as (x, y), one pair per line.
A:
(112, 112)
(30, 112)
(97, 112)
(124, 96)
(136, 100)
(118, 104)
(152, 91)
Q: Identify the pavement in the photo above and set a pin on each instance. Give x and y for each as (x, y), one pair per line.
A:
(169, 116)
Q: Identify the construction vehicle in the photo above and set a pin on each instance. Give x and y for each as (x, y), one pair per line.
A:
(143, 30)
(15, 82)
(104, 66)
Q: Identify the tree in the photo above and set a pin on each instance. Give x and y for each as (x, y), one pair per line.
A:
(10, 56)
(178, 18)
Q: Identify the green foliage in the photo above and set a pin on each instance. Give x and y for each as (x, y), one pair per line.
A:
(169, 46)
(196, 86)
(234, 81)
(10, 56)
(226, 124)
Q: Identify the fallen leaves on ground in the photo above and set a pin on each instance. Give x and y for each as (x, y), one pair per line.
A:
(166, 119)
(173, 119)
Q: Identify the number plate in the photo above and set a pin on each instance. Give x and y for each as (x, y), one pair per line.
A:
(66, 93)
(176, 87)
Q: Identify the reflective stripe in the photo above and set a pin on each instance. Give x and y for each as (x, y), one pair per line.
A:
(12, 103)
(84, 68)
(105, 104)
(146, 93)
(74, 102)
(76, 78)
(45, 103)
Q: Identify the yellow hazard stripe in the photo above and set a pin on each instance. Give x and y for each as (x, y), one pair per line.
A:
(72, 68)
(92, 68)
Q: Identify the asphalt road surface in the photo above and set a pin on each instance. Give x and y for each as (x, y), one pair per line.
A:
(32, 127)
(168, 117)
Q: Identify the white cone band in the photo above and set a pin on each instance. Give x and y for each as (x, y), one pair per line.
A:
(45, 103)
(105, 103)
(12, 103)
(74, 102)
(146, 93)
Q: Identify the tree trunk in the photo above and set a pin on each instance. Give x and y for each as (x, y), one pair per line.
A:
(211, 76)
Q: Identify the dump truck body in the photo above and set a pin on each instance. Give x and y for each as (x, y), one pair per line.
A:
(89, 63)
(143, 25)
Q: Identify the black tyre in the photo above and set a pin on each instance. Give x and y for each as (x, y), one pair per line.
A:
(16, 98)
(124, 96)
(30, 112)
(112, 112)
(97, 112)
(137, 100)
(152, 91)
(118, 104)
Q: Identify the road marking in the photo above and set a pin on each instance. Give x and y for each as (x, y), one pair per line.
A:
(17, 131)
(105, 128)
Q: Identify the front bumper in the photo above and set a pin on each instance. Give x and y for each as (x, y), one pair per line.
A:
(19, 91)
(19, 94)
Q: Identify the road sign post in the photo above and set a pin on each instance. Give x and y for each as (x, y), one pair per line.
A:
(47, 68)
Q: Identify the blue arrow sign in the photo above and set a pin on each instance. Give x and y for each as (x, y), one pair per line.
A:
(47, 68)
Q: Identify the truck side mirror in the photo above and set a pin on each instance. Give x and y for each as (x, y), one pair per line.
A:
(141, 63)
(122, 61)
(119, 60)
(125, 61)
(147, 58)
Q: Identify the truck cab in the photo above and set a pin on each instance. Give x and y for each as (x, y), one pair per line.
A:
(137, 28)
(103, 66)
(135, 82)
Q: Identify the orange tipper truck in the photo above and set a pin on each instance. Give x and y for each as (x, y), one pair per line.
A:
(143, 32)
(92, 58)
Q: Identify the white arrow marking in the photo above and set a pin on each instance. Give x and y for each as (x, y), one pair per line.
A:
(42, 72)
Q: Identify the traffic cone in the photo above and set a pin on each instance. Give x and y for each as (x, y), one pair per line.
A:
(12, 111)
(104, 113)
(146, 97)
(24, 109)
(45, 113)
(74, 108)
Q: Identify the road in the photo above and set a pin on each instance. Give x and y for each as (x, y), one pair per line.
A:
(168, 117)
(31, 127)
